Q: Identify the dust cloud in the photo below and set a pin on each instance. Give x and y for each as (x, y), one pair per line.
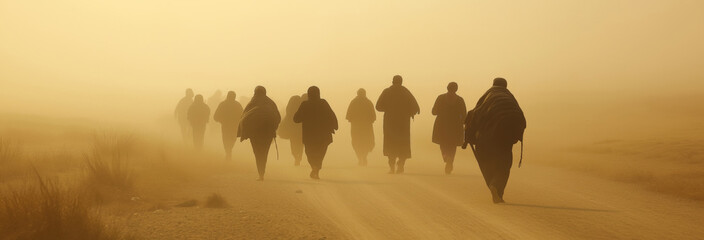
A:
(610, 89)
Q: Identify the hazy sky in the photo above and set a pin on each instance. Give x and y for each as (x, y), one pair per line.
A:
(107, 58)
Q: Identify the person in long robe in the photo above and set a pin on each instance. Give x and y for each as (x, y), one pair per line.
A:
(319, 123)
(198, 116)
(228, 114)
(494, 125)
(362, 116)
(399, 107)
(259, 122)
(448, 130)
(181, 114)
(291, 130)
(213, 102)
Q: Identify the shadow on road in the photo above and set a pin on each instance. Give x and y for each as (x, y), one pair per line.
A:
(557, 208)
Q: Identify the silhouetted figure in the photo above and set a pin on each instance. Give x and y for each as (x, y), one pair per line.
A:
(361, 115)
(399, 106)
(181, 114)
(229, 114)
(319, 123)
(291, 130)
(448, 130)
(213, 102)
(259, 123)
(494, 125)
(198, 116)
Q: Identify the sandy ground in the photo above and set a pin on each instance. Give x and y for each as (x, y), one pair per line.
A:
(352, 202)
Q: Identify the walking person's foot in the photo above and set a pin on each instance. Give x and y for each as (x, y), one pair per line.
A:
(495, 195)
(260, 178)
(400, 166)
(314, 174)
(448, 168)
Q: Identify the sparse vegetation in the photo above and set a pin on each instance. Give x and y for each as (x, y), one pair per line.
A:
(108, 163)
(216, 201)
(46, 210)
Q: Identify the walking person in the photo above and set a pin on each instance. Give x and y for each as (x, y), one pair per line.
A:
(399, 107)
(229, 114)
(288, 129)
(181, 114)
(492, 127)
(213, 102)
(319, 123)
(362, 116)
(198, 116)
(259, 122)
(448, 130)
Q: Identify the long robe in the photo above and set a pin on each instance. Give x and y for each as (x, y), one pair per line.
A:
(449, 123)
(181, 114)
(319, 123)
(399, 106)
(259, 122)
(362, 116)
(198, 116)
(261, 118)
(291, 130)
(228, 114)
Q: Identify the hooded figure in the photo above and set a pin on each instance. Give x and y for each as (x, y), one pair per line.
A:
(291, 130)
(228, 114)
(198, 116)
(494, 125)
(448, 130)
(399, 106)
(181, 114)
(361, 116)
(319, 123)
(259, 123)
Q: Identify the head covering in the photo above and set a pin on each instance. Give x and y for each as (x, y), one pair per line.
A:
(398, 80)
(500, 82)
(452, 87)
(304, 97)
(259, 90)
(189, 92)
(231, 95)
(313, 93)
(361, 92)
(198, 99)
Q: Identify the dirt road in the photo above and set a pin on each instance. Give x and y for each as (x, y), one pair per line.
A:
(352, 202)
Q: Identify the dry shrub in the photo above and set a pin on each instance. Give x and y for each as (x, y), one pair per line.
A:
(113, 144)
(111, 171)
(216, 201)
(108, 171)
(45, 210)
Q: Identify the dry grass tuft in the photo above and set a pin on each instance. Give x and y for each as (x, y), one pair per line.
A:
(111, 172)
(45, 210)
(113, 144)
(216, 201)
(108, 163)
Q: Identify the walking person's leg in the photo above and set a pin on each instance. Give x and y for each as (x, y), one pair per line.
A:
(504, 161)
(261, 152)
(392, 164)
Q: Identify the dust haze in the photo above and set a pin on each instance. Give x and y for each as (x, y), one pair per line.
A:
(612, 92)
